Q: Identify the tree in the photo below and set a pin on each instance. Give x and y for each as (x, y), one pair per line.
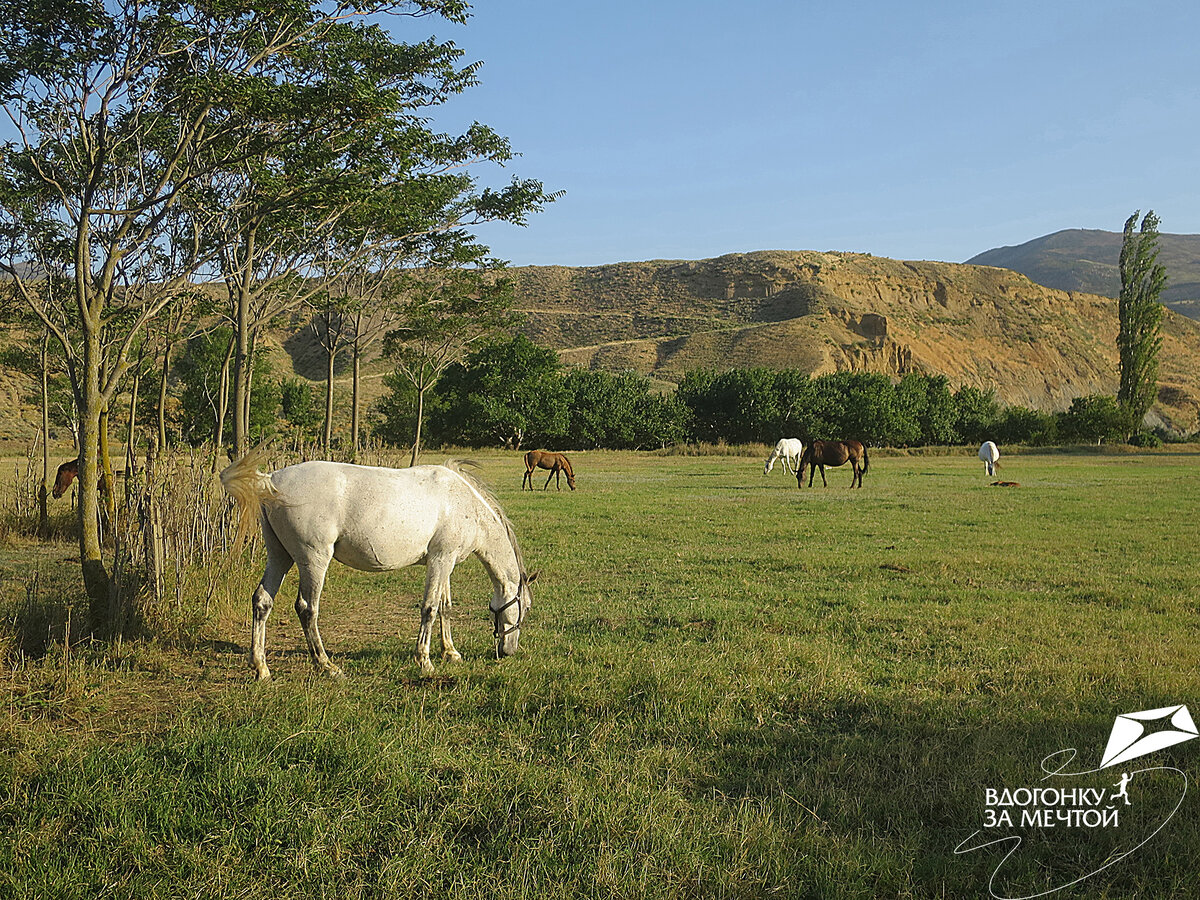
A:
(927, 407)
(203, 372)
(330, 324)
(297, 404)
(138, 121)
(975, 414)
(88, 184)
(508, 393)
(617, 412)
(1094, 419)
(1022, 425)
(443, 314)
(858, 406)
(344, 166)
(737, 405)
(911, 408)
(1139, 336)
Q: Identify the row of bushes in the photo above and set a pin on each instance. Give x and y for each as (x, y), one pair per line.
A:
(514, 393)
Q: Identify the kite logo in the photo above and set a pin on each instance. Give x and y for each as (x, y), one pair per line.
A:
(1132, 738)
(1068, 804)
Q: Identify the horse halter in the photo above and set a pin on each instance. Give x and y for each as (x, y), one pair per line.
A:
(500, 632)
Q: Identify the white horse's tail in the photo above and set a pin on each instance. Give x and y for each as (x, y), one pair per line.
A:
(248, 487)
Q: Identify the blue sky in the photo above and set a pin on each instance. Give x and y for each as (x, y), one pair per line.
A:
(936, 130)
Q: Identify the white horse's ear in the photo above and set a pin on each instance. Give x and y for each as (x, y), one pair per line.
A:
(530, 579)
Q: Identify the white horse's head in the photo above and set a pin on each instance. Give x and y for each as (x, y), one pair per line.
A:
(508, 615)
(770, 465)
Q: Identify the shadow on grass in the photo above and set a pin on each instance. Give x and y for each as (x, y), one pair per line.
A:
(907, 783)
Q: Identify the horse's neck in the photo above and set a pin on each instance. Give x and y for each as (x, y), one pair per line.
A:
(499, 555)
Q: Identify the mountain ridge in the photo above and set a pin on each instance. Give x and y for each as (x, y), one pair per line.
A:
(1080, 259)
(825, 312)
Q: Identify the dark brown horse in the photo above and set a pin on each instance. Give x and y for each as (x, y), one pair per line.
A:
(557, 463)
(820, 454)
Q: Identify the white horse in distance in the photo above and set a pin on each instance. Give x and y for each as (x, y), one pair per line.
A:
(789, 450)
(377, 520)
(989, 453)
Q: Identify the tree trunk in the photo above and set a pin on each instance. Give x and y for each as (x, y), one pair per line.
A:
(242, 368)
(416, 450)
(223, 398)
(130, 459)
(161, 437)
(327, 433)
(222, 406)
(95, 574)
(354, 399)
(241, 377)
(248, 394)
(107, 481)
(43, 488)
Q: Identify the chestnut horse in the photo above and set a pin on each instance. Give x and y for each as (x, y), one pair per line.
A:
(820, 454)
(67, 473)
(557, 463)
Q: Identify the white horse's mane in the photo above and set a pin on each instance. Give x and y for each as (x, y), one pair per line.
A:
(459, 467)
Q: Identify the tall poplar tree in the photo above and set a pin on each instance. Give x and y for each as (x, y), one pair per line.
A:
(1139, 337)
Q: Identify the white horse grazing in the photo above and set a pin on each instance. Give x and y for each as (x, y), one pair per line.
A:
(376, 520)
(789, 450)
(989, 453)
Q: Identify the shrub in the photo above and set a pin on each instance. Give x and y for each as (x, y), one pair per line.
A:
(1145, 438)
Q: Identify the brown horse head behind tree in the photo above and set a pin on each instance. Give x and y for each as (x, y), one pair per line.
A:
(820, 454)
(67, 473)
(557, 463)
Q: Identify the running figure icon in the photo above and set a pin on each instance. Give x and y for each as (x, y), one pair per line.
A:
(1123, 784)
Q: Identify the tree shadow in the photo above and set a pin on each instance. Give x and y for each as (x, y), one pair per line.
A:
(903, 785)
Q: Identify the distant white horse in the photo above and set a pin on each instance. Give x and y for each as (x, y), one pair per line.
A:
(376, 520)
(989, 453)
(789, 450)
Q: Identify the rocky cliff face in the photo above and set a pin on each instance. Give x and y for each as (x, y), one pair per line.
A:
(827, 312)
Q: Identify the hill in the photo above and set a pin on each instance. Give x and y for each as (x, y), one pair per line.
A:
(827, 312)
(981, 326)
(1084, 260)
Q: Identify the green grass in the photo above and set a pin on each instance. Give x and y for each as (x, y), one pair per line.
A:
(728, 687)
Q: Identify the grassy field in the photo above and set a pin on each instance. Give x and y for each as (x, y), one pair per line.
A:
(727, 687)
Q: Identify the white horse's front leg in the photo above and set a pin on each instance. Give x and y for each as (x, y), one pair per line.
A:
(449, 654)
(437, 587)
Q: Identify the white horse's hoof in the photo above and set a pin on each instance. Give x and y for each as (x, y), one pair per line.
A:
(451, 656)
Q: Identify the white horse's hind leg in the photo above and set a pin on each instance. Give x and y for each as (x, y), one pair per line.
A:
(308, 608)
(279, 562)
